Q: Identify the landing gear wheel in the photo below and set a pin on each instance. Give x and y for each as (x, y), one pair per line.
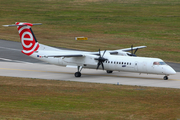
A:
(109, 71)
(77, 74)
(165, 78)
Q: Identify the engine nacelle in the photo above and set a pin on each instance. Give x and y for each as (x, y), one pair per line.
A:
(122, 53)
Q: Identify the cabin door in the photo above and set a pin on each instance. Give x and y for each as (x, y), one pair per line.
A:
(136, 66)
(144, 66)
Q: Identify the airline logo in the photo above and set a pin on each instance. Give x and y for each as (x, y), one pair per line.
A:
(28, 40)
(39, 56)
(123, 65)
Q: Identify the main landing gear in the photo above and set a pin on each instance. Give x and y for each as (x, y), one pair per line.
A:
(165, 77)
(78, 73)
(109, 71)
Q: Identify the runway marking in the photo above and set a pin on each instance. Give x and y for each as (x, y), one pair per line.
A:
(5, 59)
(10, 48)
(86, 74)
(10, 60)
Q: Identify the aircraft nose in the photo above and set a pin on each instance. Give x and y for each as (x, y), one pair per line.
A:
(170, 71)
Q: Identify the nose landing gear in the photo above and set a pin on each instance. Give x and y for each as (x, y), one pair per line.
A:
(165, 77)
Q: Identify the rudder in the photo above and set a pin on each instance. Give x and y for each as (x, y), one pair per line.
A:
(27, 37)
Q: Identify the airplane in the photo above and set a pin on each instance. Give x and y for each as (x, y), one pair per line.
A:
(109, 60)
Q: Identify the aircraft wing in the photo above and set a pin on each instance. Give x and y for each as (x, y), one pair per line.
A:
(134, 48)
(75, 55)
(83, 54)
(126, 49)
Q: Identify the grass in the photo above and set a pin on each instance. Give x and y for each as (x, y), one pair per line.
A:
(109, 24)
(22, 98)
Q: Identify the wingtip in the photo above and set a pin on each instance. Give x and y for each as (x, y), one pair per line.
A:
(25, 24)
(5, 25)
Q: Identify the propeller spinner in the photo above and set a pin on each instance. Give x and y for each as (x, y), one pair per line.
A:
(101, 60)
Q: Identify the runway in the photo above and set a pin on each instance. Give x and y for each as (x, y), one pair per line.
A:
(15, 64)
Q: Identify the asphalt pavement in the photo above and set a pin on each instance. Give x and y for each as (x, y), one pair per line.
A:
(11, 51)
(13, 63)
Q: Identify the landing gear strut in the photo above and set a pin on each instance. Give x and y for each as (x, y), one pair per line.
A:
(78, 73)
(165, 77)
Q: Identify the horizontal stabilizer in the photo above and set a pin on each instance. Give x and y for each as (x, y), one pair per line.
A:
(25, 24)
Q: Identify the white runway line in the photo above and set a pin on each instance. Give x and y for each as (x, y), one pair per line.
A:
(10, 60)
(10, 49)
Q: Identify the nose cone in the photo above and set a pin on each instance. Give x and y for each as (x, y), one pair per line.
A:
(170, 70)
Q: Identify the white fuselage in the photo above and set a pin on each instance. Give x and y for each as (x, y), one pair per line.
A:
(114, 62)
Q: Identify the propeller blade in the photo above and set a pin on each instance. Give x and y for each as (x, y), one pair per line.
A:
(99, 53)
(131, 49)
(102, 65)
(98, 65)
(135, 51)
(104, 53)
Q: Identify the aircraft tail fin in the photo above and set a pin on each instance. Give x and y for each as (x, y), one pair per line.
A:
(27, 37)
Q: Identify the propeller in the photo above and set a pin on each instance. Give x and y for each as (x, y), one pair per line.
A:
(101, 60)
(133, 54)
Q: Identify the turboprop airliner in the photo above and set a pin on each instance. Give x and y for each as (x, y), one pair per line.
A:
(109, 60)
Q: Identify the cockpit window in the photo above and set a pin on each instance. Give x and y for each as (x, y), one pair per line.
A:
(159, 63)
(155, 63)
(162, 63)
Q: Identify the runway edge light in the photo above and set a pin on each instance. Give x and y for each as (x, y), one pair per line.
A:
(81, 38)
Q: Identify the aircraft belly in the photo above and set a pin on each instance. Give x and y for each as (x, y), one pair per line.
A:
(73, 61)
(90, 66)
(156, 69)
(125, 68)
(53, 61)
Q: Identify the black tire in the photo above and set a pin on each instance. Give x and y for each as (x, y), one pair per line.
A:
(77, 74)
(165, 78)
(109, 71)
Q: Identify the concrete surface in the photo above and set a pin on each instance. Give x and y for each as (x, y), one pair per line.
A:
(14, 63)
(52, 72)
